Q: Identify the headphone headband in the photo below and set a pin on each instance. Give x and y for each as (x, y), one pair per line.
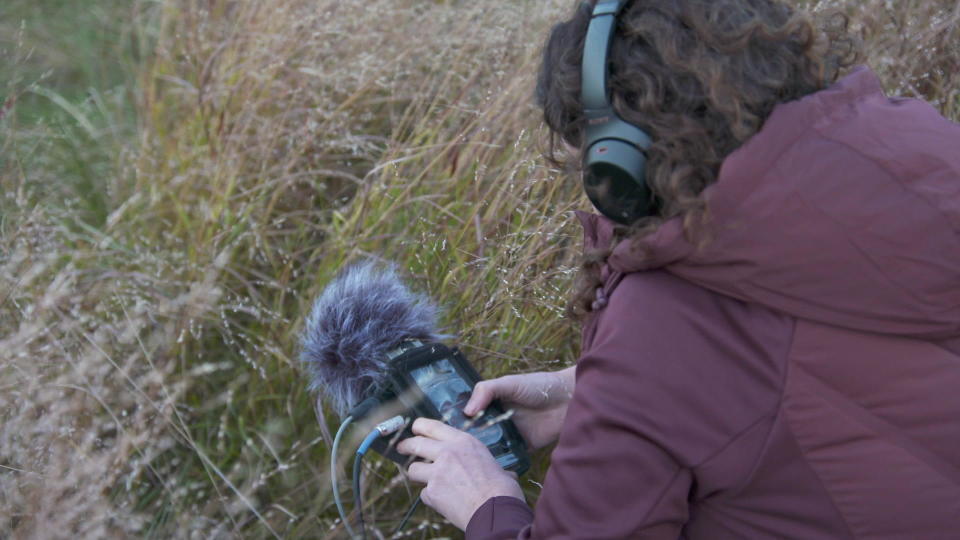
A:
(596, 50)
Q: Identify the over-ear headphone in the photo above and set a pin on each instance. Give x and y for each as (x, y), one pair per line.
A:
(613, 158)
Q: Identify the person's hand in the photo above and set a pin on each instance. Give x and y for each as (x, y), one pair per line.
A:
(460, 474)
(539, 400)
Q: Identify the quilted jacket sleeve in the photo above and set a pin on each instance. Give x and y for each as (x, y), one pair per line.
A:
(669, 379)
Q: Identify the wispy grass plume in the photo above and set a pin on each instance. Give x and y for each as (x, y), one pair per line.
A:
(161, 240)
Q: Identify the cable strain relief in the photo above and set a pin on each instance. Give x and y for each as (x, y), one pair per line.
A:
(367, 442)
(363, 408)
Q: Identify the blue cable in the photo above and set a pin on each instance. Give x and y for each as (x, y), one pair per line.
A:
(365, 445)
(383, 428)
(357, 495)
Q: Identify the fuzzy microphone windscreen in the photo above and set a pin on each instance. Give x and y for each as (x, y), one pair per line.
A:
(365, 312)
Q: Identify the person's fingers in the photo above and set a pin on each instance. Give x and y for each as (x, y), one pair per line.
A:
(435, 429)
(419, 472)
(506, 387)
(483, 394)
(424, 447)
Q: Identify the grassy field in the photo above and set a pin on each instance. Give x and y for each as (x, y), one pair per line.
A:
(180, 178)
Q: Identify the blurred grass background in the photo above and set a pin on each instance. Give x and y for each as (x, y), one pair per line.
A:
(181, 177)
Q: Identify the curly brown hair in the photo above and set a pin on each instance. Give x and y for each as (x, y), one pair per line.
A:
(699, 76)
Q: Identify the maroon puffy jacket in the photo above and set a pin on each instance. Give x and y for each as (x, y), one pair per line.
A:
(797, 378)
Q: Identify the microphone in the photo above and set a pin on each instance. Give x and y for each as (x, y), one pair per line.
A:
(365, 312)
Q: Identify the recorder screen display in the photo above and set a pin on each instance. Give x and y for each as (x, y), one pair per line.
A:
(449, 393)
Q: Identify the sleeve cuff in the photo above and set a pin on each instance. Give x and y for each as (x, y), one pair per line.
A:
(499, 518)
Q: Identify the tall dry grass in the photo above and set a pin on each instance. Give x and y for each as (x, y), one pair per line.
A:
(148, 376)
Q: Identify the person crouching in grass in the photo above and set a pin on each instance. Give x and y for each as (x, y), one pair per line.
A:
(775, 352)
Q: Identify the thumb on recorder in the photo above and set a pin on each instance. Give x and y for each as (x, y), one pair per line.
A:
(539, 401)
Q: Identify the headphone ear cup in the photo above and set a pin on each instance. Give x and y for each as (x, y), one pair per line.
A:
(613, 178)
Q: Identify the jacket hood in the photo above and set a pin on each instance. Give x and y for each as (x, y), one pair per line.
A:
(844, 209)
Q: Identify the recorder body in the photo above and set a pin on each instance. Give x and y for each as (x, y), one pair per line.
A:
(435, 381)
